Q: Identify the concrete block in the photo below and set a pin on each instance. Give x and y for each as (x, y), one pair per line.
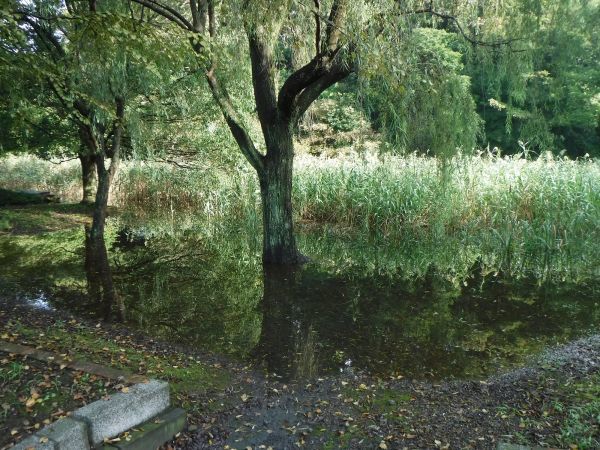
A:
(34, 443)
(505, 446)
(67, 434)
(154, 433)
(122, 411)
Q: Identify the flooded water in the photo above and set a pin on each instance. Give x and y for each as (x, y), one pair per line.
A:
(411, 310)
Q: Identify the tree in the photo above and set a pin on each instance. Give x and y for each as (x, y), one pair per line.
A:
(34, 119)
(546, 96)
(278, 112)
(84, 60)
(427, 106)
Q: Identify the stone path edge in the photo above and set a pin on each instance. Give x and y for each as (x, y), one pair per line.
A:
(145, 404)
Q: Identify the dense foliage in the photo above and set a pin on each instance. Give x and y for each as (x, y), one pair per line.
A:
(420, 81)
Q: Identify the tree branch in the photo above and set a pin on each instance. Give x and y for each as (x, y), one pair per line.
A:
(334, 29)
(167, 12)
(49, 40)
(212, 24)
(117, 135)
(302, 78)
(234, 122)
(319, 66)
(312, 92)
(462, 32)
(263, 80)
(317, 27)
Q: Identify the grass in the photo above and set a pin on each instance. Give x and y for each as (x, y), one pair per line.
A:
(581, 426)
(41, 218)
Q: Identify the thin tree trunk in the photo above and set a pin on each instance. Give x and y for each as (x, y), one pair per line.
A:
(100, 149)
(106, 175)
(88, 172)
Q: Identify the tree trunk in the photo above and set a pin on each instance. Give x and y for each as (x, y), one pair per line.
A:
(104, 175)
(101, 203)
(88, 171)
(279, 242)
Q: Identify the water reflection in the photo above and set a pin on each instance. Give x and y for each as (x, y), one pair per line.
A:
(100, 286)
(421, 317)
(287, 342)
(314, 322)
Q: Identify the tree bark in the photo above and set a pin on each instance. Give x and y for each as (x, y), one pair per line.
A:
(279, 242)
(101, 202)
(106, 175)
(88, 174)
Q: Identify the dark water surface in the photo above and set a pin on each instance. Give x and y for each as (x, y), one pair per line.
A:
(413, 311)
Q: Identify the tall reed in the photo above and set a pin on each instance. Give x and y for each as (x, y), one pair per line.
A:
(548, 208)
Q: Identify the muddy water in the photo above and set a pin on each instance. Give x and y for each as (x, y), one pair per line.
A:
(453, 315)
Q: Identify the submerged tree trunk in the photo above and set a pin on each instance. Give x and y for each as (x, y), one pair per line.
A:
(287, 341)
(88, 172)
(279, 242)
(98, 269)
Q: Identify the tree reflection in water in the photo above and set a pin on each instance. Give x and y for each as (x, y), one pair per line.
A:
(288, 343)
(100, 285)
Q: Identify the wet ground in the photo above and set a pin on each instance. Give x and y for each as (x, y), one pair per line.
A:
(311, 321)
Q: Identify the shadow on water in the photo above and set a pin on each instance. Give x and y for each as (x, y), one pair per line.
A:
(340, 312)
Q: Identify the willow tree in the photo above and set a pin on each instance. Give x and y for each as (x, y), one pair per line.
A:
(84, 60)
(278, 109)
(547, 97)
(35, 120)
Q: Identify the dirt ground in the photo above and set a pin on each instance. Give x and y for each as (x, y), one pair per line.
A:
(552, 402)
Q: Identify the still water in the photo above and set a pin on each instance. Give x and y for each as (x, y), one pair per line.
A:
(421, 311)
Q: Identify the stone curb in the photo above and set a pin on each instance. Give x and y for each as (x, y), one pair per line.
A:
(153, 433)
(35, 442)
(67, 433)
(122, 411)
(104, 419)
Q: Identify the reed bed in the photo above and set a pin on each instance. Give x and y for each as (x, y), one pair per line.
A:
(548, 207)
